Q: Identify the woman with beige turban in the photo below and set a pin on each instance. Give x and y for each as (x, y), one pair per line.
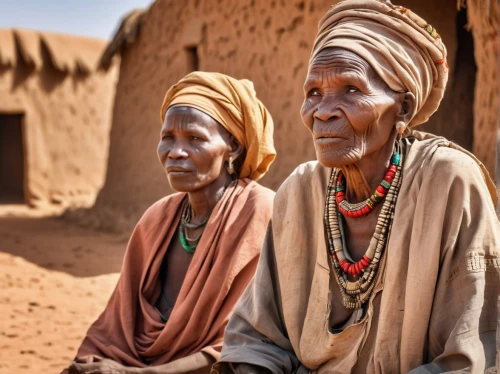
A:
(384, 254)
(192, 253)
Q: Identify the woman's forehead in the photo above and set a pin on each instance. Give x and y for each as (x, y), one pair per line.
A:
(341, 63)
(335, 58)
(186, 117)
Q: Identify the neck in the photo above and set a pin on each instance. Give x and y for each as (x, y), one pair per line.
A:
(364, 176)
(204, 200)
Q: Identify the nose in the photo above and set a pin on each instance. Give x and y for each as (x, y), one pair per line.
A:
(328, 109)
(178, 151)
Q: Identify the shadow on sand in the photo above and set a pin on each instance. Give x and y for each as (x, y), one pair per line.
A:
(56, 245)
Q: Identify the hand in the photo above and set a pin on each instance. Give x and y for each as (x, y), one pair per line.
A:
(249, 369)
(104, 366)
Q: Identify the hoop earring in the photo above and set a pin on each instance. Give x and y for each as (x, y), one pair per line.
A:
(230, 166)
(400, 127)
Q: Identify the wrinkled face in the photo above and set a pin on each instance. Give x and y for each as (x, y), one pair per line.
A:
(349, 110)
(193, 149)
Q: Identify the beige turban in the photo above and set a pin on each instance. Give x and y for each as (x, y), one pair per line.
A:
(405, 51)
(234, 104)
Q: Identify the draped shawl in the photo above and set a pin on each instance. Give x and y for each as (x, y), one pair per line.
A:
(130, 330)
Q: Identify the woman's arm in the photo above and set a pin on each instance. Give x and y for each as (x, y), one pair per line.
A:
(196, 363)
(255, 337)
(463, 321)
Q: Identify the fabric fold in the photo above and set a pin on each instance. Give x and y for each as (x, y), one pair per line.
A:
(130, 330)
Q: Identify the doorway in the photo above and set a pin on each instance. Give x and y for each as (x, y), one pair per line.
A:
(11, 159)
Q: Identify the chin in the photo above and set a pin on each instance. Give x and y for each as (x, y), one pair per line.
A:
(336, 159)
(181, 185)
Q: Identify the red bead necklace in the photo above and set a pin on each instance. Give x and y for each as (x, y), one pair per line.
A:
(365, 207)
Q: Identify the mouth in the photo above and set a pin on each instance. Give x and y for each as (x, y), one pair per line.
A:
(176, 170)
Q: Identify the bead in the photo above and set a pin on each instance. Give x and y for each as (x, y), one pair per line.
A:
(367, 267)
(364, 263)
(357, 267)
(385, 184)
(352, 269)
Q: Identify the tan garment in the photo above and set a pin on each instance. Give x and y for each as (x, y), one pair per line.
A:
(434, 304)
(234, 104)
(130, 330)
(404, 50)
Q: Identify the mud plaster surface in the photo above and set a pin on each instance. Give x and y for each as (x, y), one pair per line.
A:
(268, 42)
(66, 124)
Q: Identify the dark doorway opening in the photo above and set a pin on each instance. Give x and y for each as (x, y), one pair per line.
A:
(193, 60)
(11, 159)
(463, 85)
(455, 117)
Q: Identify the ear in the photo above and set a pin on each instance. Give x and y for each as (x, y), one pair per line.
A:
(407, 108)
(235, 148)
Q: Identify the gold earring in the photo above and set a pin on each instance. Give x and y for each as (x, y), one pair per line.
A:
(400, 127)
(230, 167)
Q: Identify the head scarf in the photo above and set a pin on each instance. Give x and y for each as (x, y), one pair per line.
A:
(234, 104)
(404, 50)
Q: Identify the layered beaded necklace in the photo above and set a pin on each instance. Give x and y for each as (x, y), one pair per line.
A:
(186, 224)
(187, 215)
(355, 293)
(365, 207)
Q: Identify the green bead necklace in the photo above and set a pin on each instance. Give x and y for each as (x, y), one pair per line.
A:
(185, 245)
(186, 224)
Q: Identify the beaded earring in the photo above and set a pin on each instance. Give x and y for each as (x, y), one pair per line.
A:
(230, 166)
(400, 127)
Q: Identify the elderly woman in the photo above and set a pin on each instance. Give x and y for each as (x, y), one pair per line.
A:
(193, 253)
(384, 255)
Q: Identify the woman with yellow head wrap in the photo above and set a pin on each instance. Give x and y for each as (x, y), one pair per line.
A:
(384, 254)
(192, 253)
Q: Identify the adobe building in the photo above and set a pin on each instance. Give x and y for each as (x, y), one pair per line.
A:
(55, 118)
(269, 42)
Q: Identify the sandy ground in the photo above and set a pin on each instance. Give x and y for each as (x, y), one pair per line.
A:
(55, 279)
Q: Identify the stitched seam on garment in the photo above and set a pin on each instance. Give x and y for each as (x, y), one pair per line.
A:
(473, 263)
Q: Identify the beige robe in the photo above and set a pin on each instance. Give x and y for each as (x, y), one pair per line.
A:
(434, 307)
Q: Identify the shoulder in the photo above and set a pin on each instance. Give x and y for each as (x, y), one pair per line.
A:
(438, 158)
(456, 172)
(303, 180)
(303, 192)
(254, 197)
(257, 191)
(449, 163)
(303, 173)
(162, 207)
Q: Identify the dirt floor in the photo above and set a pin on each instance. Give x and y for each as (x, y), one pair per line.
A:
(55, 279)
